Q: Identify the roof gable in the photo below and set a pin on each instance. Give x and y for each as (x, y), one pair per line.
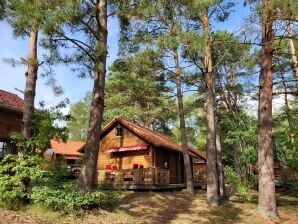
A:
(11, 101)
(154, 138)
(69, 147)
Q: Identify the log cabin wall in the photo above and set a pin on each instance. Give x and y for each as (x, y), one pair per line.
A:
(123, 160)
(169, 159)
(9, 122)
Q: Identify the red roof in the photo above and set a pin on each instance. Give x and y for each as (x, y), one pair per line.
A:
(11, 101)
(149, 136)
(69, 147)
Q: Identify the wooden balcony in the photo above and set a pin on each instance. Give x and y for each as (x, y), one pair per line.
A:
(143, 178)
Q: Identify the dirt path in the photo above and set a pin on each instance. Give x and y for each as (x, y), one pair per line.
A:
(160, 208)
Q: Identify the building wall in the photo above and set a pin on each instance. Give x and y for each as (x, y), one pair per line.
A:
(123, 160)
(9, 122)
(172, 159)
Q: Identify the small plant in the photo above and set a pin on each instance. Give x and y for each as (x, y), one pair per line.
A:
(242, 187)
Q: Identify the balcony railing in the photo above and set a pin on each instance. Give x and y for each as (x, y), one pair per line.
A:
(133, 177)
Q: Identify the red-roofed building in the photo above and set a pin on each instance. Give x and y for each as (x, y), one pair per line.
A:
(136, 157)
(70, 151)
(11, 110)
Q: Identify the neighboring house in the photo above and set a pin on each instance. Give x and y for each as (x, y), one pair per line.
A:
(11, 112)
(135, 157)
(70, 151)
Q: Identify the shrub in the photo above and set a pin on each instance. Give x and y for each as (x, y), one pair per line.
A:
(289, 185)
(17, 172)
(68, 199)
(242, 187)
(23, 181)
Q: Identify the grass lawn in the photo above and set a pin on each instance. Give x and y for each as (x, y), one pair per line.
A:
(161, 207)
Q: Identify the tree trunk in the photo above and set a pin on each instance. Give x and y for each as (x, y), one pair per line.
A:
(31, 77)
(221, 180)
(293, 53)
(236, 159)
(212, 175)
(89, 164)
(187, 162)
(267, 201)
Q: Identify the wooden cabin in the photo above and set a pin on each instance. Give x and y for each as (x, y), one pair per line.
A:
(11, 112)
(69, 151)
(135, 157)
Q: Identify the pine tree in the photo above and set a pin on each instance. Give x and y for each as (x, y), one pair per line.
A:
(26, 24)
(81, 27)
(200, 12)
(267, 201)
(150, 106)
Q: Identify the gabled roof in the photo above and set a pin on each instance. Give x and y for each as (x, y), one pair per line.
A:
(11, 101)
(154, 138)
(69, 147)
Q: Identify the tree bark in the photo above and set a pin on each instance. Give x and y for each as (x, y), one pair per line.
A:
(30, 87)
(212, 175)
(187, 163)
(266, 201)
(89, 164)
(221, 180)
(293, 53)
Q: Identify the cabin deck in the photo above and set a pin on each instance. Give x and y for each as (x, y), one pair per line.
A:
(144, 187)
(139, 179)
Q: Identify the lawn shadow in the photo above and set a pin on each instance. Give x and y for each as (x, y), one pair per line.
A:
(286, 200)
(176, 207)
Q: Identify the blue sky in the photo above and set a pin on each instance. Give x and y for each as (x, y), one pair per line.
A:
(74, 87)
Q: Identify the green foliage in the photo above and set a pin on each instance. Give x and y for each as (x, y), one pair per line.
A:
(194, 120)
(2, 9)
(78, 124)
(44, 14)
(136, 89)
(289, 185)
(68, 199)
(242, 186)
(17, 173)
(44, 127)
(240, 129)
(24, 181)
(285, 135)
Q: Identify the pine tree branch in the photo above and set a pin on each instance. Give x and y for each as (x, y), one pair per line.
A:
(284, 80)
(285, 92)
(77, 43)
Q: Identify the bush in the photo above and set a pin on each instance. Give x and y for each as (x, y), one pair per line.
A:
(17, 172)
(242, 187)
(23, 181)
(290, 186)
(68, 199)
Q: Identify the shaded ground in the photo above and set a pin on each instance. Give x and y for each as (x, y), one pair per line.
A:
(161, 207)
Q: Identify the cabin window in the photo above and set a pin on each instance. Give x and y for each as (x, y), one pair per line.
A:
(119, 132)
(6, 148)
